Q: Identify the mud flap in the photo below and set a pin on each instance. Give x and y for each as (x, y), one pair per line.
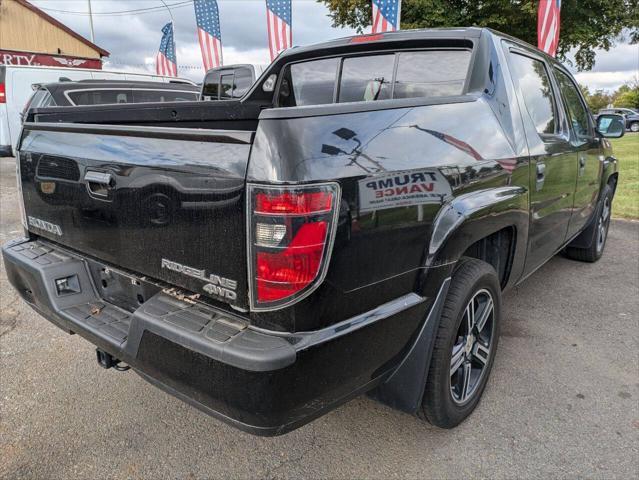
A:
(404, 389)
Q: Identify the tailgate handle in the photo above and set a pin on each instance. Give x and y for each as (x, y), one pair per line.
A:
(98, 183)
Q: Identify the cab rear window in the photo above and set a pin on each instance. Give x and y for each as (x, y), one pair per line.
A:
(365, 78)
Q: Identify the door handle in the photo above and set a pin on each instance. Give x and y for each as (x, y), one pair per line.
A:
(582, 165)
(541, 175)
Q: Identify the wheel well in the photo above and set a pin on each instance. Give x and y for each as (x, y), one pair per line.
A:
(497, 250)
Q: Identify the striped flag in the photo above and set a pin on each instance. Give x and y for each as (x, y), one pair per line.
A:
(166, 59)
(548, 26)
(279, 24)
(207, 17)
(386, 15)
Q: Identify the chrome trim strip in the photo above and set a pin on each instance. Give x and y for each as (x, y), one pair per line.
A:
(304, 340)
(222, 136)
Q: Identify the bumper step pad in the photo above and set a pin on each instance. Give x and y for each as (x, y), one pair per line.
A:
(194, 318)
(108, 320)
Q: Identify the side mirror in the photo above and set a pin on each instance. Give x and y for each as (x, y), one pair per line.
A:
(611, 125)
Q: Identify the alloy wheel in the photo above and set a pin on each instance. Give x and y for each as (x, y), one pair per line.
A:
(602, 224)
(471, 350)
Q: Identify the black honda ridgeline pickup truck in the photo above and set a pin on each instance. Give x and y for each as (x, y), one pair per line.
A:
(348, 226)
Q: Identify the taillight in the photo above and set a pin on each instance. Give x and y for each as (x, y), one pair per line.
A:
(3, 93)
(291, 229)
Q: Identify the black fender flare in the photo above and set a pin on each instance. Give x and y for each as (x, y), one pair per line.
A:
(476, 215)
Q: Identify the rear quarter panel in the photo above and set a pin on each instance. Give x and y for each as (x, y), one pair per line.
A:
(382, 251)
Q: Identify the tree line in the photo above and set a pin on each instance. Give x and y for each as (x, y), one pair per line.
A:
(626, 96)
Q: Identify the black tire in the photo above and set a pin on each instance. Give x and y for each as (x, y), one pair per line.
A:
(441, 405)
(599, 231)
(634, 127)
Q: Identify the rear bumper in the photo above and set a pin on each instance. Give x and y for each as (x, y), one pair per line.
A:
(263, 382)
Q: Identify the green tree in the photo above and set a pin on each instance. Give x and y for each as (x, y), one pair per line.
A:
(596, 101)
(585, 24)
(627, 96)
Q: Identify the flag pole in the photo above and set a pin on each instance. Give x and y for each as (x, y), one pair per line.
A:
(91, 22)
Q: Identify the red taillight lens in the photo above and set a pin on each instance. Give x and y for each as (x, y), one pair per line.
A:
(3, 93)
(282, 274)
(289, 203)
(290, 232)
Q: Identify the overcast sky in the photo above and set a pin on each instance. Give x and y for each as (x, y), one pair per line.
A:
(133, 40)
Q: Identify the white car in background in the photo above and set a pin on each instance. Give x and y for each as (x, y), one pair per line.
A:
(16, 88)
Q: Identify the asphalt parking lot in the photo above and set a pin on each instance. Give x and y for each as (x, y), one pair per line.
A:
(563, 399)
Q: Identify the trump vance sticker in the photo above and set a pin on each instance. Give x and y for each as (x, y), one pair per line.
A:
(400, 189)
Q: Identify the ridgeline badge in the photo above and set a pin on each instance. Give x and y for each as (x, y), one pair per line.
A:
(218, 286)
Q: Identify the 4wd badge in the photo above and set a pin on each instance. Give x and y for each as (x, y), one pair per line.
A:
(216, 285)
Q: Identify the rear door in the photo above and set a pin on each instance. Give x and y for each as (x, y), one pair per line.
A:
(553, 173)
(588, 149)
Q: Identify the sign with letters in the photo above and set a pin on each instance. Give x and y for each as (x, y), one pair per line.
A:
(10, 57)
(399, 189)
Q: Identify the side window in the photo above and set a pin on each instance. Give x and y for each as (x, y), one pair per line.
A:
(534, 84)
(366, 78)
(432, 73)
(48, 101)
(210, 90)
(308, 83)
(226, 86)
(36, 99)
(33, 102)
(577, 112)
(243, 81)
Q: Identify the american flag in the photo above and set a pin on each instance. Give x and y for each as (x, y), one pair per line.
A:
(166, 60)
(386, 14)
(279, 24)
(207, 17)
(548, 26)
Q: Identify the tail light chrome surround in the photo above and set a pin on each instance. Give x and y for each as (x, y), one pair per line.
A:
(293, 214)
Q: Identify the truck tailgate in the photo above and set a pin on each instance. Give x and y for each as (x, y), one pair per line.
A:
(167, 203)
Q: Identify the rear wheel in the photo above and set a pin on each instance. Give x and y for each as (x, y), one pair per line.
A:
(465, 346)
(634, 127)
(599, 233)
